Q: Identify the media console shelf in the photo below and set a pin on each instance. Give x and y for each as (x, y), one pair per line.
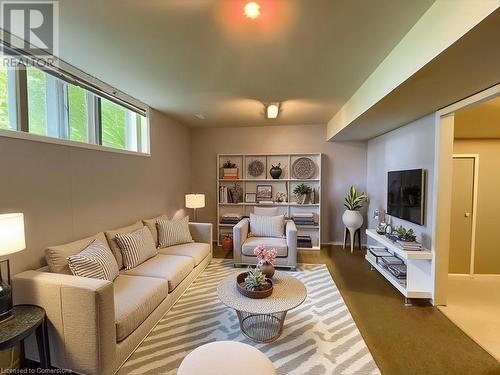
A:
(419, 268)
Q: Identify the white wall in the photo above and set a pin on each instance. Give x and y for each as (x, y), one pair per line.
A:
(409, 147)
(343, 164)
(67, 193)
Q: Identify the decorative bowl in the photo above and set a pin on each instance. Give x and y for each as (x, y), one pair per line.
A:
(255, 294)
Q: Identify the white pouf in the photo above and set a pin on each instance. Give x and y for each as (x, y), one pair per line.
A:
(226, 358)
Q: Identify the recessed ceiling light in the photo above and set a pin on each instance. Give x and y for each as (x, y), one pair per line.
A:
(252, 10)
(272, 110)
(199, 116)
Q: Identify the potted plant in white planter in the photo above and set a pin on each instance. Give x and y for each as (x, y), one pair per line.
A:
(301, 192)
(352, 218)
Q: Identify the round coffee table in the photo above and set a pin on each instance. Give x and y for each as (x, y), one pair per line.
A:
(261, 320)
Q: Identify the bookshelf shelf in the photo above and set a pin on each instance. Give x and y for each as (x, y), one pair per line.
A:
(285, 185)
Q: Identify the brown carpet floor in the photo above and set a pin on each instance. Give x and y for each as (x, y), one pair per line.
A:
(403, 340)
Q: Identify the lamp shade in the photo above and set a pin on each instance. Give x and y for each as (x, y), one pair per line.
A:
(195, 200)
(11, 233)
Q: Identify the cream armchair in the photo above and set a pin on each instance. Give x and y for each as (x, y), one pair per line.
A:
(243, 245)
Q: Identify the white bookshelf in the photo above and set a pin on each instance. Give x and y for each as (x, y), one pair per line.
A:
(419, 268)
(286, 183)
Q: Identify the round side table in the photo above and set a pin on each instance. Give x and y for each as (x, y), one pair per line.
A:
(261, 320)
(25, 320)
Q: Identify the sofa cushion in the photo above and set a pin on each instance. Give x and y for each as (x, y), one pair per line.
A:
(196, 250)
(151, 224)
(269, 243)
(136, 247)
(173, 232)
(172, 268)
(111, 236)
(95, 261)
(267, 226)
(135, 299)
(57, 256)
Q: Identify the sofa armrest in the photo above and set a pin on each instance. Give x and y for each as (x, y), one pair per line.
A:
(202, 232)
(291, 241)
(240, 234)
(81, 318)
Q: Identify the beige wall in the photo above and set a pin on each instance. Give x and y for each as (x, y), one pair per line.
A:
(409, 147)
(487, 256)
(479, 121)
(68, 193)
(343, 164)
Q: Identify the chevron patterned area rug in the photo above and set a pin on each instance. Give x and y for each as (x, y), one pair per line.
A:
(319, 336)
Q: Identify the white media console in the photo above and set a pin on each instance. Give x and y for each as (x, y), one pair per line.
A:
(418, 283)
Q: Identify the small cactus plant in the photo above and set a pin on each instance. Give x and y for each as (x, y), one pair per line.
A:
(255, 279)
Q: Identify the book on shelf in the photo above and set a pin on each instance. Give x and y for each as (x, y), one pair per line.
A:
(266, 202)
(230, 178)
(379, 251)
(398, 270)
(414, 246)
(390, 260)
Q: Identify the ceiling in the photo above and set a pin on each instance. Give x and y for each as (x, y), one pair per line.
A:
(480, 121)
(467, 67)
(189, 57)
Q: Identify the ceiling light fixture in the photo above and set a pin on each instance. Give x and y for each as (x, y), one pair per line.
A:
(252, 10)
(272, 110)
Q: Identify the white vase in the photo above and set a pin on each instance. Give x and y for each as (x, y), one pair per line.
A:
(353, 220)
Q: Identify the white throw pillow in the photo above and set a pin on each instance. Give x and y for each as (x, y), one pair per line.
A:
(95, 261)
(267, 226)
(173, 232)
(136, 247)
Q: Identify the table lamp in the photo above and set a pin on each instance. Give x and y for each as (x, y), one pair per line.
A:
(195, 201)
(11, 241)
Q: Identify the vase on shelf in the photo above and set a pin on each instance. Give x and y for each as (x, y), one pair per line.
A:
(301, 199)
(267, 269)
(276, 171)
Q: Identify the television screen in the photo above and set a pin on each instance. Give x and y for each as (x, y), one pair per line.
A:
(405, 195)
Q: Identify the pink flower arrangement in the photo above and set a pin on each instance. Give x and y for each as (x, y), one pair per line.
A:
(265, 256)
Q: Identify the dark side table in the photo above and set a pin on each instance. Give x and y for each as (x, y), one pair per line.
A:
(25, 320)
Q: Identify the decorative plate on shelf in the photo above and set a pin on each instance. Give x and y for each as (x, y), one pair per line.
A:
(256, 168)
(303, 168)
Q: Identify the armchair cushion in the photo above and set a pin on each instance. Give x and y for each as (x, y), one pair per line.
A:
(269, 243)
(135, 299)
(195, 250)
(267, 226)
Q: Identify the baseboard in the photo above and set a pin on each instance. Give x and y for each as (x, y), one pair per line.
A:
(477, 276)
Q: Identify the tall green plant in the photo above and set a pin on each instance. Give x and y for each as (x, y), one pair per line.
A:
(354, 200)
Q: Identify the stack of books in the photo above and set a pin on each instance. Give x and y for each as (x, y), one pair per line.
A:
(230, 174)
(304, 241)
(226, 195)
(231, 218)
(398, 270)
(379, 251)
(306, 218)
(409, 246)
(390, 260)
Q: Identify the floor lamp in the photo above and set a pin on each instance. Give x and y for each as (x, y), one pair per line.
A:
(11, 241)
(195, 201)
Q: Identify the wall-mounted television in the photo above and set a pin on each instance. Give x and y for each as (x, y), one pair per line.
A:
(405, 195)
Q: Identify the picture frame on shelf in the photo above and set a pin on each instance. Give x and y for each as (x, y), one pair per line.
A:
(251, 198)
(264, 192)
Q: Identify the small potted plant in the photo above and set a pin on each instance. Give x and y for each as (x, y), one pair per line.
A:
(406, 235)
(254, 284)
(266, 259)
(354, 200)
(302, 191)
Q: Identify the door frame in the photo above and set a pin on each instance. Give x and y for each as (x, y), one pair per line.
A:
(475, 184)
(443, 167)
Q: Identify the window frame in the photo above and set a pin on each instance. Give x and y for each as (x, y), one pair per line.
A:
(57, 115)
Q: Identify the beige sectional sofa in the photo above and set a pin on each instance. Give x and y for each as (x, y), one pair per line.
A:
(94, 325)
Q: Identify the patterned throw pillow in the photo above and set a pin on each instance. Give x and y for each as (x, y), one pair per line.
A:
(136, 247)
(173, 232)
(267, 226)
(95, 261)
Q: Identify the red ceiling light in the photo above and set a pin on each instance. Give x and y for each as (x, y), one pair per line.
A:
(252, 10)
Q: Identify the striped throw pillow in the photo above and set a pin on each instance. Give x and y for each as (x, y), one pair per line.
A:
(95, 261)
(267, 226)
(173, 232)
(136, 247)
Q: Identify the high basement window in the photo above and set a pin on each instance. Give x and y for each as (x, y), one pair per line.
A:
(43, 103)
